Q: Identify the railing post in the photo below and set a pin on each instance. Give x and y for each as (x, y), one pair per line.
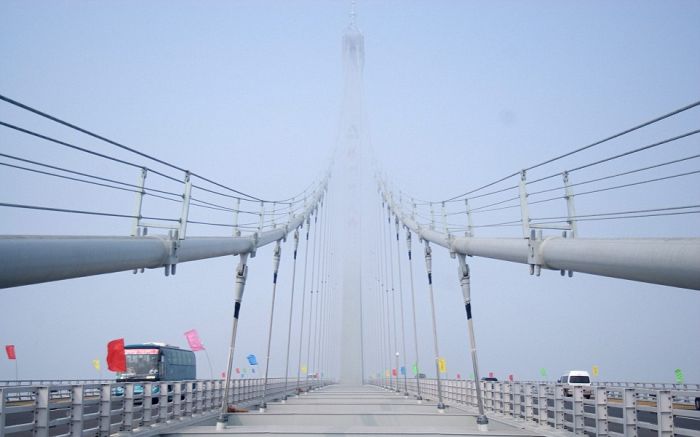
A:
(577, 409)
(3, 405)
(41, 413)
(209, 395)
(570, 208)
(76, 414)
(629, 412)
(147, 403)
(664, 412)
(261, 225)
(444, 219)
(498, 398)
(525, 215)
(199, 406)
(528, 402)
(177, 401)
(236, 231)
(139, 203)
(185, 206)
(188, 397)
(470, 224)
(163, 403)
(542, 404)
(508, 399)
(558, 406)
(472, 393)
(601, 411)
(105, 426)
(128, 413)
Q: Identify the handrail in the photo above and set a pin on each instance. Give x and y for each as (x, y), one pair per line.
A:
(141, 409)
(36, 259)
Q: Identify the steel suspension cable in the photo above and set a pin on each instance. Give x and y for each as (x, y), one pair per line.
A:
(323, 335)
(384, 297)
(383, 352)
(625, 173)
(317, 237)
(84, 150)
(325, 289)
(114, 143)
(291, 312)
(391, 309)
(303, 300)
(276, 256)
(413, 307)
(403, 329)
(393, 294)
(580, 149)
(319, 286)
(91, 176)
(429, 269)
(620, 155)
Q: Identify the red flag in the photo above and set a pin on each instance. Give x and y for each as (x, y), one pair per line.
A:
(238, 370)
(10, 349)
(193, 340)
(490, 374)
(510, 377)
(116, 357)
(393, 372)
(459, 376)
(223, 375)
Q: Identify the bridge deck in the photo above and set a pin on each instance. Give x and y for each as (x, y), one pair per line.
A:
(353, 410)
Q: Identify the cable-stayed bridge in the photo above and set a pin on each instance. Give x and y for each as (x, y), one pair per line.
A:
(363, 246)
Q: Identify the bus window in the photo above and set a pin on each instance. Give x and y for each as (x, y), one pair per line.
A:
(140, 364)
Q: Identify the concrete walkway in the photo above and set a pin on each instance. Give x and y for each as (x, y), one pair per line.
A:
(353, 410)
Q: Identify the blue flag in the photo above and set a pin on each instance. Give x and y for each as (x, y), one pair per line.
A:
(403, 370)
(252, 360)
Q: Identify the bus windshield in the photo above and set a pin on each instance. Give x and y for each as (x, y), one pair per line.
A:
(140, 364)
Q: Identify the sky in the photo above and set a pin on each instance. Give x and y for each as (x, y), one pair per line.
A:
(456, 95)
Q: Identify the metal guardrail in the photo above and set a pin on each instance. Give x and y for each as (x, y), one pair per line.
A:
(607, 409)
(19, 382)
(102, 409)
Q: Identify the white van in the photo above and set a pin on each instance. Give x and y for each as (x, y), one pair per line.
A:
(576, 378)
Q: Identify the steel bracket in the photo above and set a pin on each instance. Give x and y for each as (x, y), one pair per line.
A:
(173, 246)
(256, 238)
(534, 255)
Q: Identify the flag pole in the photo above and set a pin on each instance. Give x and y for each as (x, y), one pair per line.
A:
(16, 370)
(211, 372)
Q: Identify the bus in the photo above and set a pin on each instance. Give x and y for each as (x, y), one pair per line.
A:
(149, 362)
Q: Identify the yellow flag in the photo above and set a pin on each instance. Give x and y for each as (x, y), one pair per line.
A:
(386, 373)
(595, 370)
(303, 369)
(96, 364)
(442, 366)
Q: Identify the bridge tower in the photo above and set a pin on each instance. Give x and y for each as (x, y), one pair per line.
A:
(352, 136)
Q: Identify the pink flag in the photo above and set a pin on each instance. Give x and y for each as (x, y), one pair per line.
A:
(10, 350)
(193, 340)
